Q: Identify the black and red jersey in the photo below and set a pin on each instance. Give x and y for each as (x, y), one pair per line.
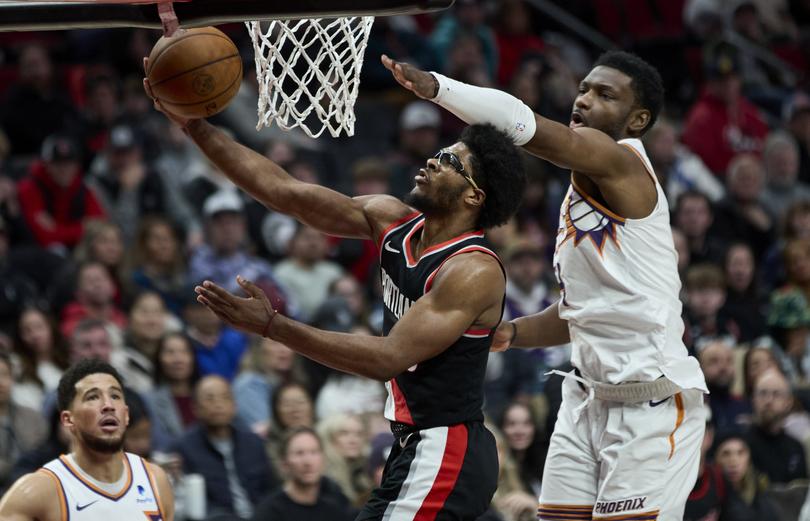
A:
(449, 388)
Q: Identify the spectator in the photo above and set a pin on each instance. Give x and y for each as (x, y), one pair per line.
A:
(90, 339)
(468, 17)
(728, 410)
(305, 495)
(795, 225)
(781, 159)
(158, 263)
(379, 451)
(722, 123)
(147, 324)
(345, 441)
(36, 106)
(290, 407)
(514, 37)
(42, 353)
(94, 298)
(773, 451)
(745, 302)
(138, 439)
(21, 428)
(525, 445)
(703, 311)
(419, 132)
(741, 216)
(677, 168)
(170, 401)
(101, 110)
(733, 456)
(236, 470)
(511, 501)
(225, 255)
(130, 189)
(789, 322)
(217, 347)
(102, 242)
(798, 124)
(693, 217)
(54, 199)
(757, 360)
(305, 274)
(269, 365)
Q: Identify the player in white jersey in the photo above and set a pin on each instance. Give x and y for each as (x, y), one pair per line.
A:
(97, 481)
(626, 445)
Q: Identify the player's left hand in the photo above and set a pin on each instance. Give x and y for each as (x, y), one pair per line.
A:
(252, 314)
(420, 82)
(174, 118)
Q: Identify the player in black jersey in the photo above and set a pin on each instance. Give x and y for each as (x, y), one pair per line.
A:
(444, 295)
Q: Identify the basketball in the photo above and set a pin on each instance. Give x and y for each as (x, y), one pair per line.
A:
(195, 72)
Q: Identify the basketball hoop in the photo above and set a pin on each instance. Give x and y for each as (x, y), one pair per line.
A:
(309, 72)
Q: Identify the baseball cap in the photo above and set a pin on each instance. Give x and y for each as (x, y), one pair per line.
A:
(789, 310)
(60, 147)
(380, 450)
(420, 114)
(222, 201)
(123, 137)
(720, 60)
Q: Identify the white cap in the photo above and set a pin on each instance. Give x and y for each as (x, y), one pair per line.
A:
(420, 114)
(222, 201)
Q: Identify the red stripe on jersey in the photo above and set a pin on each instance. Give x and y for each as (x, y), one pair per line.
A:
(478, 332)
(429, 281)
(393, 225)
(401, 411)
(452, 460)
(413, 261)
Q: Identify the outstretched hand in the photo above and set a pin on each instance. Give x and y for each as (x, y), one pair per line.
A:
(253, 314)
(503, 337)
(420, 82)
(174, 118)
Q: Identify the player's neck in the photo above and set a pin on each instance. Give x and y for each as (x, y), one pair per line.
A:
(439, 229)
(101, 466)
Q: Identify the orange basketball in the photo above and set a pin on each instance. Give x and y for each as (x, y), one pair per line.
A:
(195, 72)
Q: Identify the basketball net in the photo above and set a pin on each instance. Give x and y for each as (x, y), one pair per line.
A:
(309, 72)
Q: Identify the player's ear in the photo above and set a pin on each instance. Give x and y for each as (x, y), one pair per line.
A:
(66, 419)
(475, 197)
(639, 120)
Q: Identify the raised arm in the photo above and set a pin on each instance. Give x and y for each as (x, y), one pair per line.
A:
(465, 293)
(326, 210)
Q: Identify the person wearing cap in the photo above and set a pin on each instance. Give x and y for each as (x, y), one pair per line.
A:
(722, 122)
(419, 132)
(789, 323)
(54, 199)
(130, 188)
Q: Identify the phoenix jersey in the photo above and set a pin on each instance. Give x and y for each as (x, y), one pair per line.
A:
(620, 288)
(82, 498)
(447, 389)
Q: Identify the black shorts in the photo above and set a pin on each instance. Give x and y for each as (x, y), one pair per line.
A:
(443, 473)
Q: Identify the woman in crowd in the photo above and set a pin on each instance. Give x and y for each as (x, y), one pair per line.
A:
(269, 364)
(102, 242)
(745, 303)
(345, 442)
(290, 407)
(170, 402)
(511, 501)
(525, 446)
(147, 324)
(158, 262)
(42, 353)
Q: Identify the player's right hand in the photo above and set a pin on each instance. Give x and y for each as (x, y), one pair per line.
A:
(503, 337)
(174, 118)
(420, 82)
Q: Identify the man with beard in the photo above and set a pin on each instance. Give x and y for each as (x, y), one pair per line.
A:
(774, 451)
(97, 481)
(729, 411)
(443, 292)
(626, 444)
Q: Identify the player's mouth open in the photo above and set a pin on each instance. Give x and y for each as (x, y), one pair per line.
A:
(577, 120)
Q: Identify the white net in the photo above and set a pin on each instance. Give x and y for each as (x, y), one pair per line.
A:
(309, 72)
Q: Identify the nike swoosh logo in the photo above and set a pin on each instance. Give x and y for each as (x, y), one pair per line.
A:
(656, 404)
(389, 248)
(79, 507)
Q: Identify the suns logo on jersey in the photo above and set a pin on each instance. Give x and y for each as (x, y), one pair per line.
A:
(583, 217)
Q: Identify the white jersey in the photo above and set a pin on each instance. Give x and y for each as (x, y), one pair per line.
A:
(83, 499)
(620, 287)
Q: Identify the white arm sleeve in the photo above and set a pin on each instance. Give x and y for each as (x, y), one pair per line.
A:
(480, 105)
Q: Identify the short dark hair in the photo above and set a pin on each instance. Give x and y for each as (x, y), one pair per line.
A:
(66, 391)
(647, 84)
(498, 171)
(293, 433)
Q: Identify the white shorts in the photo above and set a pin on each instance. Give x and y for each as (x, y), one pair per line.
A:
(622, 461)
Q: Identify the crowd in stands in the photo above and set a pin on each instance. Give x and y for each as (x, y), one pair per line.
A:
(109, 216)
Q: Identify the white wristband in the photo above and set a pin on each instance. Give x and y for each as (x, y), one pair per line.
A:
(481, 105)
